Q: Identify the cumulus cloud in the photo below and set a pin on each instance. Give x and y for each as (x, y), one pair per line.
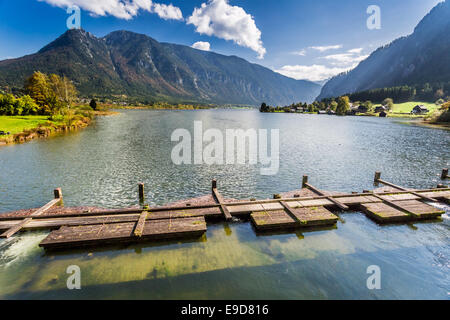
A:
(122, 9)
(219, 18)
(311, 73)
(167, 12)
(200, 45)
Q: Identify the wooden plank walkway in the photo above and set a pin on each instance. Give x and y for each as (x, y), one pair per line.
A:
(384, 213)
(308, 207)
(400, 211)
(91, 235)
(293, 218)
(17, 227)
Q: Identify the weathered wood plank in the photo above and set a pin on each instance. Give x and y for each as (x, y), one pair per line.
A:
(140, 224)
(419, 209)
(81, 236)
(405, 189)
(45, 207)
(384, 213)
(339, 204)
(221, 202)
(267, 220)
(15, 228)
(294, 218)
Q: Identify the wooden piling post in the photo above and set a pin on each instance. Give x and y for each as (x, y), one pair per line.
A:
(141, 193)
(377, 177)
(444, 174)
(214, 184)
(304, 182)
(58, 195)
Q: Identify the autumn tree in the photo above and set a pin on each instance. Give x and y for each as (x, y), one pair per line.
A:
(37, 87)
(51, 93)
(343, 105)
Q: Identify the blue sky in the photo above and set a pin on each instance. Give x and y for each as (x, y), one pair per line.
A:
(304, 39)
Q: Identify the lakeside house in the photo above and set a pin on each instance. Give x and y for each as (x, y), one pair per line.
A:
(420, 109)
(380, 109)
(321, 112)
(362, 109)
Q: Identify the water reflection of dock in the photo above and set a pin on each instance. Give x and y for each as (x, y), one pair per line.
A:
(308, 208)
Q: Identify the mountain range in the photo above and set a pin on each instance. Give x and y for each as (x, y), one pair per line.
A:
(420, 58)
(139, 68)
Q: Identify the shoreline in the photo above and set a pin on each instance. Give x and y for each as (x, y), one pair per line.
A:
(50, 129)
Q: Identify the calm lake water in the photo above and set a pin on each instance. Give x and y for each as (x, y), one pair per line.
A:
(101, 166)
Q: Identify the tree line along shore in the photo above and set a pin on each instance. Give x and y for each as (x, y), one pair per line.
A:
(49, 104)
(437, 112)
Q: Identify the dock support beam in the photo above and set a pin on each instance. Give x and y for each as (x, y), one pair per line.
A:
(141, 193)
(377, 178)
(444, 174)
(58, 195)
(304, 181)
(219, 199)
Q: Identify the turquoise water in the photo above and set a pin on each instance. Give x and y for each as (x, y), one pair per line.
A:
(102, 165)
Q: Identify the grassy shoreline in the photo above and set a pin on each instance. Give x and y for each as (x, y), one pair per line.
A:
(27, 128)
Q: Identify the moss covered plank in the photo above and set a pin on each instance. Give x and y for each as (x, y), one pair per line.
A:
(436, 194)
(419, 209)
(315, 216)
(358, 200)
(80, 236)
(400, 197)
(267, 220)
(384, 213)
(304, 217)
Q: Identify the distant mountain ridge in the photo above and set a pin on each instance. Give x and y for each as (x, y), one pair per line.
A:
(422, 57)
(135, 65)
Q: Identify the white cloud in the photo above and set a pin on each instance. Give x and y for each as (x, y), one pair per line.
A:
(167, 12)
(219, 18)
(357, 50)
(300, 53)
(122, 9)
(311, 73)
(326, 48)
(205, 46)
(345, 58)
(351, 57)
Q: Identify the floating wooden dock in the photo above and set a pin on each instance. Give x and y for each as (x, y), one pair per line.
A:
(308, 207)
(90, 235)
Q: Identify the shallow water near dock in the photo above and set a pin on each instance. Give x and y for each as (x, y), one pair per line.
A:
(101, 166)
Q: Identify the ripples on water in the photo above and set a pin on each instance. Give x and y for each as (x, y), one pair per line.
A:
(102, 165)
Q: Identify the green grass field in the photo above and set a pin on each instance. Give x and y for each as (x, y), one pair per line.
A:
(17, 124)
(408, 106)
